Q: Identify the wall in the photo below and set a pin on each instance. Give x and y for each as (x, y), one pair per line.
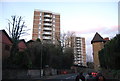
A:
(96, 48)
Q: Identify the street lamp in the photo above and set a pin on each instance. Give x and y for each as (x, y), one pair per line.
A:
(41, 71)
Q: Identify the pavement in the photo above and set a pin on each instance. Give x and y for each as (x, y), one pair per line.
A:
(59, 76)
(63, 77)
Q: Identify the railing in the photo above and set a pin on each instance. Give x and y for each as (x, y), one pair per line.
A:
(47, 33)
(45, 28)
(47, 37)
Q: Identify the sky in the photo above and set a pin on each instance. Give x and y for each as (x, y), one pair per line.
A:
(85, 18)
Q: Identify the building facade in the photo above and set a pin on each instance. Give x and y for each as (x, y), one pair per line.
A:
(79, 51)
(46, 26)
(5, 45)
(97, 44)
(78, 44)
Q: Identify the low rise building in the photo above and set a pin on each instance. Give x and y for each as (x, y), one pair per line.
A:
(5, 44)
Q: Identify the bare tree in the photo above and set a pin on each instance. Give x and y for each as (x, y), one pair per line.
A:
(66, 37)
(15, 28)
(63, 38)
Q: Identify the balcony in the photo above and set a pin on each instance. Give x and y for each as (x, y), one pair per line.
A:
(47, 33)
(48, 24)
(78, 39)
(48, 20)
(78, 50)
(78, 42)
(47, 13)
(78, 47)
(47, 37)
(79, 56)
(47, 17)
(45, 28)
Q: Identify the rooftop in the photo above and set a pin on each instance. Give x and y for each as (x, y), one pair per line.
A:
(97, 38)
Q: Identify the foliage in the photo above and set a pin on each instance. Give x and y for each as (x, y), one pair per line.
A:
(55, 58)
(90, 65)
(16, 26)
(38, 40)
(17, 59)
(34, 51)
(109, 56)
(66, 37)
(50, 55)
(20, 61)
(68, 58)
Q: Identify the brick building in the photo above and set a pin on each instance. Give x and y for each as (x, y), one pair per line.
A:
(46, 26)
(5, 44)
(78, 45)
(97, 44)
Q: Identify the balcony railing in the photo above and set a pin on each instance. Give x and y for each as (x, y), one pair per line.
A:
(47, 33)
(47, 15)
(48, 20)
(45, 28)
(47, 37)
(49, 24)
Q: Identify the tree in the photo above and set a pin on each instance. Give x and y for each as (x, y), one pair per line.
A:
(67, 47)
(90, 65)
(52, 55)
(109, 56)
(15, 29)
(35, 50)
(66, 37)
(68, 58)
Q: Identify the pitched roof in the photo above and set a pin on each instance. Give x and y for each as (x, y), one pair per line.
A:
(22, 40)
(97, 38)
(30, 41)
(6, 35)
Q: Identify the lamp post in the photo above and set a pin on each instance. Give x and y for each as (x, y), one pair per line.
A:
(41, 71)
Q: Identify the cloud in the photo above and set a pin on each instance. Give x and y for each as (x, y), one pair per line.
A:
(103, 30)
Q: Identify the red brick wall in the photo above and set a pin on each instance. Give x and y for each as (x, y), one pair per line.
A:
(5, 39)
(5, 45)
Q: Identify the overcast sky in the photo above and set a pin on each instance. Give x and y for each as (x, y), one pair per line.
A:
(83, 17)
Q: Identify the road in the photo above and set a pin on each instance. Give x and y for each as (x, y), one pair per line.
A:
(67, 77)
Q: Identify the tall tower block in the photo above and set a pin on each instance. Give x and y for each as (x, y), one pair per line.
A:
(46, 26)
